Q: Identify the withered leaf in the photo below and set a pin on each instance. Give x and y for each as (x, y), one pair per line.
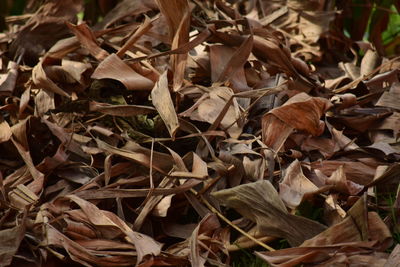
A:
(10, 242)
(161, 98)
(5, 131)
(112, 67)
(123, 122)
(301, 112)
(45, 28)
(295, 186)
(120, 110)
(8, 80)
(41, 80)
(259, 202)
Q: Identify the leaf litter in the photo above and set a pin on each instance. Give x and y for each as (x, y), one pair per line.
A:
(173, 133)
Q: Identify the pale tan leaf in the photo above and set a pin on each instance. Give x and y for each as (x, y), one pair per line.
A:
(339, 181)
(295, 186)
(41, 80)
(9, 79)
(161, 98)
(44, 101)
(112, 67)
(394, 257)
(5, 131)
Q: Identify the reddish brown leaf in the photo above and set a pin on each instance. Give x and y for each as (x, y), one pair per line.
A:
(113, 67)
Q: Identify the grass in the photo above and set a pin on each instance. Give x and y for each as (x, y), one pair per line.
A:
(390, 211)
(246, 258)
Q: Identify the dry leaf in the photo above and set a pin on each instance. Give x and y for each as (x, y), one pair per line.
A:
(120, 110)
(295, 186)
(112, 67)
(11, 239)
(41, 80)
(162, 100)
(9, 79)
(5, 132)
(301, 112)
(44, 29)
(259, 202)
(120, 120)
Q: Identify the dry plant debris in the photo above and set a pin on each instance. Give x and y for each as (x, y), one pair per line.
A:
(176, 132)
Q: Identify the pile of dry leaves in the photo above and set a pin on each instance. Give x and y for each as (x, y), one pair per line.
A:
(175, 132)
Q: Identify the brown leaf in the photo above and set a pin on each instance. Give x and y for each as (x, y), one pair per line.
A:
(8, 80)
(162, 100)
(390, 99)
(236, 61)
(144, 245)
(120, 110)
(20, 141)
(259, 202)
(88, 40)
(362, 119)
(112, 67)
(40, 78)
(325, 256)
(295, 186)
(394, 257)
(44, 101)
(245, 90)
(45, 28)
(386, 176)
(10, 242)
(133, 151)
(79, 253)
(357, 172)
(211, 106)
(76, 69)
(206, 225)
(126, 8)
(301, 112)
(220, 55)
(177, 13)
(173, 11)
(340, 183)
(146, 26)
(5, 131)
(360, 225)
